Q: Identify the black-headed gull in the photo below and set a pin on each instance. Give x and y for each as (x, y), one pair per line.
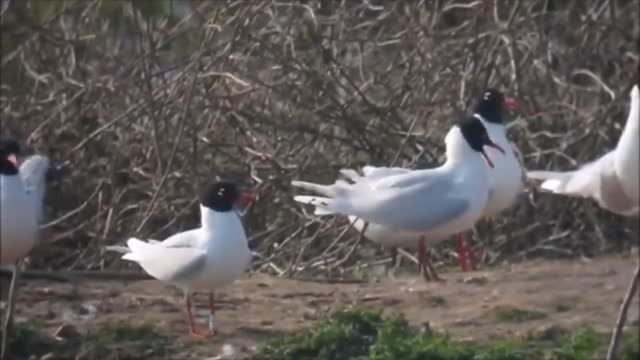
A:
(612, 180)
(430, 203)
(505, 177)
(202, 259)
(22, 192)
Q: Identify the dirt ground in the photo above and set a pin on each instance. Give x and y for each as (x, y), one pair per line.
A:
(467, 305)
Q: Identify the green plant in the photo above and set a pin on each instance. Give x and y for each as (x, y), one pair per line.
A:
(344, 334)
(26, 339)
(358, 333)
(122, 340)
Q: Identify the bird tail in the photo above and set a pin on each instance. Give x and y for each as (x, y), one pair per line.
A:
(327, 203)
(322, 204)
(552, 181)
(325, 190)
(118, 248)
(126, 249)
(133, 249)
(351, 174)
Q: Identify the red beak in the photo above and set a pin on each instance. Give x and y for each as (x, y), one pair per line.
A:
(245, 199)
(511, 103)
(12, 158)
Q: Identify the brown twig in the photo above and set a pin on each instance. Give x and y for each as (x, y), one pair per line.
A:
(622, 314)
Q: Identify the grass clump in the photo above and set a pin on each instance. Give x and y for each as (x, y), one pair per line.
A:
(517, 315)
(630, 346)
(26, 339)
(112, 340)
(587, 344)
(122, 340)
(345, 334)
(582, 344)
(358, 333)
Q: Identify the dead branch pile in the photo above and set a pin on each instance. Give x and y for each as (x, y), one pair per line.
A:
(145, 102)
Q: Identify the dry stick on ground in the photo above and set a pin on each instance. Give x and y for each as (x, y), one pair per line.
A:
(622, 315)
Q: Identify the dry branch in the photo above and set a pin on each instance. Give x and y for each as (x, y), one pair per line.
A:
(146, 105)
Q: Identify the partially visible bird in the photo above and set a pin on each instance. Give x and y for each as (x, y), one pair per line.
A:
(22, 191)
(612, 180)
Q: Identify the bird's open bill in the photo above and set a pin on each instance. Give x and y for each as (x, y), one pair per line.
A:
(487, 158)
(245, 199)
(511, 103)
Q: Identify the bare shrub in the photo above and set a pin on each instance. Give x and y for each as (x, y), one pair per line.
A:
(145, 102)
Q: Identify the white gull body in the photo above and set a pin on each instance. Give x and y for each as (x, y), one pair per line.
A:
(431, 203)
(612, 180)
(21, 200)
(21, 196)
(505, 184)
(203, 259)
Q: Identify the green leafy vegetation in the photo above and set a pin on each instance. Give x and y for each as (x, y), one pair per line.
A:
(122, 339)
(365, 334)
(111, 340)
(26, 340)
(354, 333)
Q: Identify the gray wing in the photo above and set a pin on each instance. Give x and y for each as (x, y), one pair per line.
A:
(184, 239)
(33, 171)
(166, 263)
(189, 269)
(421, 206)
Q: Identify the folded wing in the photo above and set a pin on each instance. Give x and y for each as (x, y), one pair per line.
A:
(405, 200)
(166, 263)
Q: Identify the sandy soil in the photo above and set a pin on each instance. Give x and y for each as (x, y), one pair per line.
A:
(258, 307)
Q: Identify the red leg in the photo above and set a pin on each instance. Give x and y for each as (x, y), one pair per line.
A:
(463, 252)
(212, 311)
(192, 325)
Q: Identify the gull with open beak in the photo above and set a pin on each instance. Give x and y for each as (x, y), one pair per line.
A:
(422, 204)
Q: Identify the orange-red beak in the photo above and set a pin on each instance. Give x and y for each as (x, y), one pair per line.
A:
(13, 159)
(511, 103)
(245, 199)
